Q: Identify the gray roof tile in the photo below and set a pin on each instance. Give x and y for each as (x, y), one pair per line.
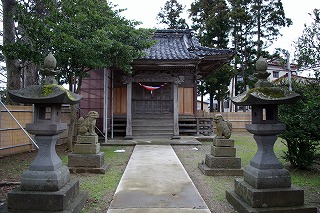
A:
(179, 45)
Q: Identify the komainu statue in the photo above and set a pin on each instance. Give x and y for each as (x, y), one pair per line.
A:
(224, 128)
(86, 126)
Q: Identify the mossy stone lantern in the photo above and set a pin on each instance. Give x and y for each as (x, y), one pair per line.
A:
(46, 174)
(266, 184)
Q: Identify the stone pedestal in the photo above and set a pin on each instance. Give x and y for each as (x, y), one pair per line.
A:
(266, 185)
(46, 185)
(86, 156)
(222, 160)
(67, 199)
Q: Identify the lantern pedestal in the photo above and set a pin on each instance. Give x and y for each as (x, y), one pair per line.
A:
(266, 185)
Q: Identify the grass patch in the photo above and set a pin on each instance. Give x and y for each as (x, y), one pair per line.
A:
(101, 187)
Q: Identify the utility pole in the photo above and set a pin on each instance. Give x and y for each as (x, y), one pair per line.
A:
(289, 70)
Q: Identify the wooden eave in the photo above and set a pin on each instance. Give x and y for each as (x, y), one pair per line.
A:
(210, 64)
(164, 64)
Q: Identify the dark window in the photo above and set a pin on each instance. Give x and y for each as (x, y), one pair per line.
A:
(275, 74)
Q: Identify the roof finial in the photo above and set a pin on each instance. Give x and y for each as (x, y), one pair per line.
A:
(261, 73)
(49, 71)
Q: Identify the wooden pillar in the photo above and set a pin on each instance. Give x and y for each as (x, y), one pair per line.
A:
(175, 111)
(129, 113)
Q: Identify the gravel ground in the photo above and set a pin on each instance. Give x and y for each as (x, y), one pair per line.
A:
(190, 156)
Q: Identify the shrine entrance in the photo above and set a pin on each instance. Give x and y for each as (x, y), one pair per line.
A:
(152, 100)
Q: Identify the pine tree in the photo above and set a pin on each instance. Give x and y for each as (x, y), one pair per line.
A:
(211, 22)
(255, 25)
(170, 15)
(307, 48)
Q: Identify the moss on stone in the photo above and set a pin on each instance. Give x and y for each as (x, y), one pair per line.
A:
(68, 92)
(266, 92)
(47, 90)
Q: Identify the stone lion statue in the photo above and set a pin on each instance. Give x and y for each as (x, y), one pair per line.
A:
(86, 126)
(224, 128)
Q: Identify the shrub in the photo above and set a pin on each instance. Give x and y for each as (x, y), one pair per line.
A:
(302, 136)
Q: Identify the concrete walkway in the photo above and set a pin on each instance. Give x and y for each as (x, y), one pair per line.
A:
(155, 181)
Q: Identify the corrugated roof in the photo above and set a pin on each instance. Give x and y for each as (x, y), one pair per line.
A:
(179, 45)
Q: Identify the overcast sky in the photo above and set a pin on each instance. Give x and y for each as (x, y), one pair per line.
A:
(147, 10)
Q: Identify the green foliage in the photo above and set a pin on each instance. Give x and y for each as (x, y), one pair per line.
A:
(211, 22)
(170, 15)
(302, 119)
(82, 35)
(217, 83)
(307, 48)
(255, 25)
(252, 24)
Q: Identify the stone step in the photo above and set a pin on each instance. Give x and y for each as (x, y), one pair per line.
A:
(152, 128)
(152, 123)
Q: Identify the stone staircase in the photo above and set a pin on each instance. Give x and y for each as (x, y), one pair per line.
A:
(152, 127)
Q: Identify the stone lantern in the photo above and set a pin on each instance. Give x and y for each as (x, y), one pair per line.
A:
(266, 184)
(46, 185)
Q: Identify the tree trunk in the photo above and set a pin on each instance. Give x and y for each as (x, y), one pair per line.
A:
(202, 101)
(30, 74)
(13, 71)
(74, 116)
(259, 28)
(72, 126)
(211, 103)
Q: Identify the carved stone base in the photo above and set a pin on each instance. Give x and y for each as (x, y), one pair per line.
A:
(92, 163)
(68, 199)
(86, 148)
(222, 160)
(219, 172)
(87, 139)
(251, 200)
(81, 169)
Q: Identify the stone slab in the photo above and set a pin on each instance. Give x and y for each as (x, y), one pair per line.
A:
(219, 172)
(223, 162)
(86, 160)
(36, 200)
(155, 180)
(224, 142)
(100, 170)
(45, 180)
(223, 151)
(268, 178)
(242, 207)
(87, 139)
(86, 148)
(278, 197)
(75, 206)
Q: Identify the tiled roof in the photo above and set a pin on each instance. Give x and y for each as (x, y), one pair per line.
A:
(179, 45)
